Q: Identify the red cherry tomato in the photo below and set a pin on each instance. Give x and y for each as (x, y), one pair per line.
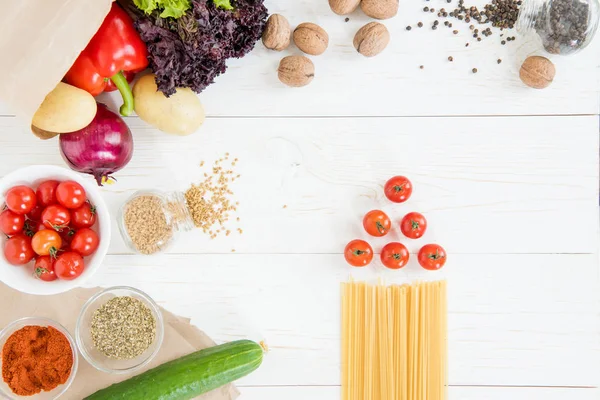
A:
(398, 189)
(67, 237)
(36, 213)
(46, 193)
(32, 227)
(11, 223)
(432, 257)
(84, 216)
(56, 217)
(70, 194)
(394, 255)
(413, 225)
(358, 253)
(69, 265)
(85, 242)
(46, 243)
(377, 223)
(20, 199)
(18, 251)
(44, 268)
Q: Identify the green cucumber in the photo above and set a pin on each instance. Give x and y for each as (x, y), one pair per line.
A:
(188, 376)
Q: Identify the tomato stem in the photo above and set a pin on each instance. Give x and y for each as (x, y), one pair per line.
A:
(380, 227)
(414, 225)
(358, 252)
(399, 188)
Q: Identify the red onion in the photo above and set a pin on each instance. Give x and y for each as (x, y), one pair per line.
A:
(101, 148)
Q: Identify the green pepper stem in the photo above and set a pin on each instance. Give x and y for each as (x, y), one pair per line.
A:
(121, 83)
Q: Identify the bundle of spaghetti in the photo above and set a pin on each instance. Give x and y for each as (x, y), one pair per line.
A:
(394, 341)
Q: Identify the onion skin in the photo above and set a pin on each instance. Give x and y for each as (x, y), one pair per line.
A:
(101, 148)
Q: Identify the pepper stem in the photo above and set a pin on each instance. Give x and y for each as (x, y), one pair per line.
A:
(121, 83)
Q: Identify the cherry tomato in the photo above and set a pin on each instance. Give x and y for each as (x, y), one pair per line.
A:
(11, 223)
(377, 223)
(18, 251)
(69, 265)
(44, 268)
(46, 242)
(67, 237)
(85, 242)
(394, 255)
(413, 225)
(46, 193)
(84, 216)
(358, 253)
(56, 217)
(20, 199)
(70, 194)
(432, 257)
(32, 227)
(398, 189)
(36, 213)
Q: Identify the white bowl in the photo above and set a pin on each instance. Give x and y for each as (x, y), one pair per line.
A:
(20, 277)
(55, 393)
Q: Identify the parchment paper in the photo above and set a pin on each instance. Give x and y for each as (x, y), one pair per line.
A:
(40, 41)
(180, 339)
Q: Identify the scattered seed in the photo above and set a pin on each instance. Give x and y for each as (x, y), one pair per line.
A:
(499, 61)
(474, 70)
(420, 24)
(450, 58)
(346, 19)
(455, 32)
(425, 9)
(421, 66)
(408, 28)
(434, 27)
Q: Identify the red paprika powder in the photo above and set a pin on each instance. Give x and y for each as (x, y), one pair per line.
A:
(36, 358)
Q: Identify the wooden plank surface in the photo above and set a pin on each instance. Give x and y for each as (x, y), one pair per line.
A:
(487, 185)
(455, 393)
(391, 84)
(513, 319)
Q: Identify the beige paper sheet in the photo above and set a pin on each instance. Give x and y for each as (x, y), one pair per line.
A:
(180, 339)
(40, 41)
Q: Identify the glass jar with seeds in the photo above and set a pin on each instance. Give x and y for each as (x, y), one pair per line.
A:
(564, 26)
(119, 330)
(150, 220)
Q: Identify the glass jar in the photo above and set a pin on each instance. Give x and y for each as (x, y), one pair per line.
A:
(564, 26)
(150, 220)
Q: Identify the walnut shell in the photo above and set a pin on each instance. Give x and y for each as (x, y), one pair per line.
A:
(537, 72)
(277, 33)
(311, 38)
(296, 71)
(380, 9)
(371, 39)
(343, 7)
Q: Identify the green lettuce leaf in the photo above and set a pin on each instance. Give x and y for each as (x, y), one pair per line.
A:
(224, 4)
(170, 8)
(173, 8)
(146, 6)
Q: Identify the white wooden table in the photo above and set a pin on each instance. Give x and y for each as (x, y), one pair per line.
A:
(507, 177)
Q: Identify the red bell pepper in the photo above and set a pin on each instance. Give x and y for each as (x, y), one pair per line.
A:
(115, 48)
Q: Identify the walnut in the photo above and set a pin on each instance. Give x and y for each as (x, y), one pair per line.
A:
(296, 71)
(343, 7)
(277, 33)
(371, 39)
(537, 72)
(311, 38)
(380, 9)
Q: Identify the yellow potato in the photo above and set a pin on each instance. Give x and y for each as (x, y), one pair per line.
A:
(180, 114)
(65, 109)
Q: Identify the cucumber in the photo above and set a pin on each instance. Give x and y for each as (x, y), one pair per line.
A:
(188, 376)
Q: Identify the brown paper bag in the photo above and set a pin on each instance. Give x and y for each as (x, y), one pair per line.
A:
(40, 41)
(180, 339)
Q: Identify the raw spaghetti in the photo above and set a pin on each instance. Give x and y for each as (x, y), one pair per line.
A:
(394, 341)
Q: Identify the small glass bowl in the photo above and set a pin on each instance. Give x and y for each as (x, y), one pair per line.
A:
(38, 321)
(85, 343)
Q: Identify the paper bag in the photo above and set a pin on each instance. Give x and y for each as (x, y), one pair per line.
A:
(180, 338)
(40, 41)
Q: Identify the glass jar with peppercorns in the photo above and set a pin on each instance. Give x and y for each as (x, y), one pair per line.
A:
(564, 26)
